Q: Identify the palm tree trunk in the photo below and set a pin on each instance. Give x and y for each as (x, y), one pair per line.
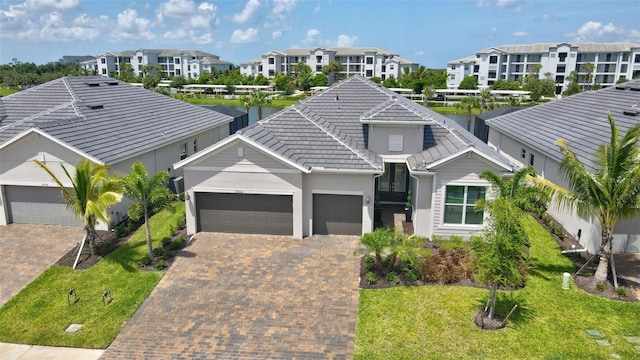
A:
(605, 255)
(147, 229)
(613, 272)
(259, 112)
(91, 240)
(469, 121)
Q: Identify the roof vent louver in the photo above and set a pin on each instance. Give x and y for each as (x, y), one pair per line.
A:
(631, 112)
(112, 83)
(93, 84)
(95, 106)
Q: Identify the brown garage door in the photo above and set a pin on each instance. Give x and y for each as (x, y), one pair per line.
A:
(245, 213)
(337, 214)
(37, 205)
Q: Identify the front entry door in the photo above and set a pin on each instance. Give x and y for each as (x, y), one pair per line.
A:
(393, 184)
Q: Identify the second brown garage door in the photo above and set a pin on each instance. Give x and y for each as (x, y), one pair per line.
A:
(245, 213)
(337, 214)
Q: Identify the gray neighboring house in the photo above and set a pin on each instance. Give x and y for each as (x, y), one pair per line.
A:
(316, 168)
(101, 119)
(528, 137)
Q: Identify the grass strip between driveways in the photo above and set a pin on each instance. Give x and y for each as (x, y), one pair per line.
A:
(435, 322)
(40, 313)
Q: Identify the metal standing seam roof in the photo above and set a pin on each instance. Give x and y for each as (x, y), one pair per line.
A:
(105, 118)
(580, 119)
(325, 130)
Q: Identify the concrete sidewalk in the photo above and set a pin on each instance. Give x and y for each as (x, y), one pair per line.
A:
(32, 352)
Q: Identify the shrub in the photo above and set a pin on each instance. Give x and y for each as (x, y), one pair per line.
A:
(447, 265)
(158, 251)
(454, 243)
(600, 286)
(121, 230)
(393, 277)
(160, 265)
(177, 243)
(369, 263)
(371, 277)
(166, 241)
(145, 261)
(166, 254)
(412, 275)
(622, 292)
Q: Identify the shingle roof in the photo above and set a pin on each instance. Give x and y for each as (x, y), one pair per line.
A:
(105, 118)
(580, 119)
(325, 130)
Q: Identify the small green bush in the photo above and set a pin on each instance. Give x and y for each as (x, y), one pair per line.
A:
(622, 292)
(121, 230)
(167, 254)
(158, 251)
(600, 286)
(371, 277)
(182, 223)
(145, 261)
(369, 263)
(166, 241)
(160, 265)
(393, 277)
(454, 243)
(177, 243)
(412, 275)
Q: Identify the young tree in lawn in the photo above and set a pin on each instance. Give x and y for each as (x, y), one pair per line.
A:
(91, 194)
(148, 194)
(610, 193)
(501, 254)
(468, 104)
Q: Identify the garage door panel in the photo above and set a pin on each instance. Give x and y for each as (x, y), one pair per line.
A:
(37, 205)
(245, 213)
(337, 214)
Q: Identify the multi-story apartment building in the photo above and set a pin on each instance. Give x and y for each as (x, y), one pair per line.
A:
(612, 61)
(188, 63)
(367, 62)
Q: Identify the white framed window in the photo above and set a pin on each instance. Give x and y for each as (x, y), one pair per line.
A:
(395, 142)
(459, 204)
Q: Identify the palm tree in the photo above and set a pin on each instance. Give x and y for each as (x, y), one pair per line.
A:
(485, 98)
(148, 194)
(245, 101)
(259, 99)
(92, 193)
(610, 194)
(468, 104)
(513, 101)
(427, 93)
(525, 195)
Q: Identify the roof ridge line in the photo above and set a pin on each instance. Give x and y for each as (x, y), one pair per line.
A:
(333, 136)
(73, 96)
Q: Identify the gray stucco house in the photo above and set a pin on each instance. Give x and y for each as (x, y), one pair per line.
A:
(317, 166)
(527, 137)
(101, 119)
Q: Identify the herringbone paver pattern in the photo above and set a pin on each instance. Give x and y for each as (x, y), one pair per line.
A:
(231, 296)
(27, 250)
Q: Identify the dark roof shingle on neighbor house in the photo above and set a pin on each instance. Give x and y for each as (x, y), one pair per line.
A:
(107, 119)
(327, 130)
(581, 120)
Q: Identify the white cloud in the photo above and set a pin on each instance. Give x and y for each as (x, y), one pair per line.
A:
(276, 34)
(512, 5)
(279, 16)
(346, 41)
(493, 31)
(506, 3)
(176, 9)
(316, 9)
(219, 45)
(597, 31)
(131, 27)
(419, 53)
(313, 37)
(249, 10)
(243, 37)
(520, 33)
(51, 4)
(547, 17)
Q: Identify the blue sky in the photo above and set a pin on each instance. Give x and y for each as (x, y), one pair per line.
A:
(428, 32)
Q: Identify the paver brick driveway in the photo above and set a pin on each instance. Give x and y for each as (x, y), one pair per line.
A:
(27, 250)
(232, 296)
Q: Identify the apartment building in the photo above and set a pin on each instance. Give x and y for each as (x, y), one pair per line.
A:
(612, 61)
(367, 62)
(188, 63)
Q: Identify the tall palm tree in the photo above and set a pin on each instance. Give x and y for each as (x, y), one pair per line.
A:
(468, 104)
(427, 93)
(91, 195)
(485, 98)
(259, 99)
(245, 101)
(610, 194)
(148, 194)
(526, 195)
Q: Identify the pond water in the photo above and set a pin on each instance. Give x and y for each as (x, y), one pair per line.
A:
(461, 119)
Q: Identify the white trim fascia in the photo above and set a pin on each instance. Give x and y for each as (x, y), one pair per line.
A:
(200, 189)
(397, 159)
(337, 192)
(53, 139)
(345, 171)
(465, 151)
(35, 184)
(240, 169)
(219, 145)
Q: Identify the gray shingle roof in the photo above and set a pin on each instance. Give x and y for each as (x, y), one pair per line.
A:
(105, 118)
(325, 130)
(580, 119)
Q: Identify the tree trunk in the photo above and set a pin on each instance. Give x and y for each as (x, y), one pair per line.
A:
(613, 272)
(469, 121)
(379, 262)
(91, 240)
(492, 299)
(147, 229)
(605, 255)
(259, 112)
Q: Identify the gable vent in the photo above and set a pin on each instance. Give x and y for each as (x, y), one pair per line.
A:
(95, 106)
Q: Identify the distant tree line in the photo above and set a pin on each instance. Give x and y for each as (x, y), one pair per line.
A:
(20, 74)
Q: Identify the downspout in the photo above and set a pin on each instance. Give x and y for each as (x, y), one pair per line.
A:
(433, 200)
(373, 223)
(415, 201)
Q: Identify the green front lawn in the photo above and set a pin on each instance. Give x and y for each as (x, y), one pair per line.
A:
(7, 92)
(435, 322)
(40, 312)
(235, 102)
